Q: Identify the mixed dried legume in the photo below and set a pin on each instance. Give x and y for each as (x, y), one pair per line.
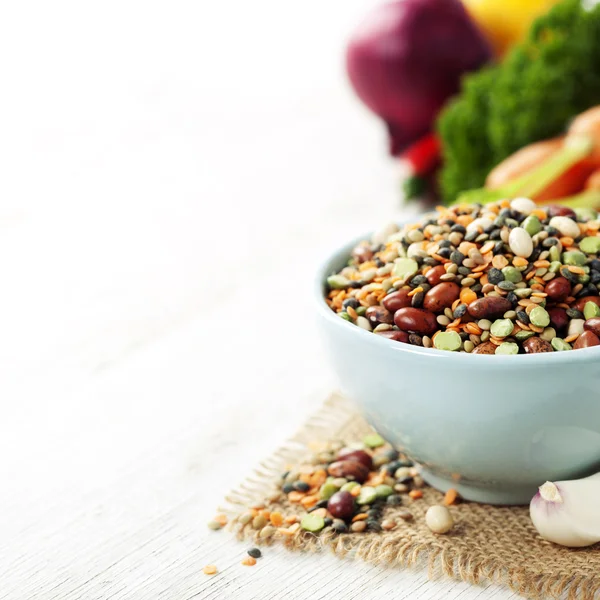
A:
(506, 278)
(339, 488)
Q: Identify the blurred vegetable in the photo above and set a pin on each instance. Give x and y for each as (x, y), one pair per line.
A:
(526, 159)
(506, 22)
(406, 59)
(574, 150)
(418, 161)
(561, 170)
(541, 85)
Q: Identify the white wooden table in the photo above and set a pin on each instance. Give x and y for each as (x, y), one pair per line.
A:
(171, 175)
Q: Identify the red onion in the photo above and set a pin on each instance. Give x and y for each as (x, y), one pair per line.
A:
(406, 59)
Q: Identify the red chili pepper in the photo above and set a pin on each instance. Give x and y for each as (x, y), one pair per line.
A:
(422, 156)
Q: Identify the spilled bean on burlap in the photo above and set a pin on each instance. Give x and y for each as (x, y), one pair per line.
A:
(488, 543)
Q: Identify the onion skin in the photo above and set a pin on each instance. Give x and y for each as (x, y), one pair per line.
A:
(406, 59)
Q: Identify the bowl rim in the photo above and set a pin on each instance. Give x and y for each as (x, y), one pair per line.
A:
(467, 359)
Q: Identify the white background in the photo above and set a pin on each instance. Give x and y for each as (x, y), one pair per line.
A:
(170, 175)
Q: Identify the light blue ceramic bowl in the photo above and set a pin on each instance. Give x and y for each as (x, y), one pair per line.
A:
(493, 427)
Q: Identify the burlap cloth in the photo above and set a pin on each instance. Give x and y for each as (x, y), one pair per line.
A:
(491, 543)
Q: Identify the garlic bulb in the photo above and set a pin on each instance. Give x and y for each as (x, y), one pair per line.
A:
(568, 512)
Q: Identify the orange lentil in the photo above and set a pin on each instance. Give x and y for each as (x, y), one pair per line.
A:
(265, 513)
(519, 261)
(539, 213)
(351, 312)
(499, 262)
(450, 497)
(530, 276)
(318, 477)
(276, 519)
(566, 241)
(209, 570)
(487, 247)
(415, 291)
(416, 494)
(536, 286)
(464, 247)
(295, 496)
(522, 326)
(439, 258)
(505, 203)
(221, 519)
(291, 519)
(253, 512)
(360, 517)
(467, 296)
(536, 328)
(309, 501)
(455, 304)
(539, 294)
(576, 270)
(571, 338)
(541, 264)
(473, 328)
(464, 220)
(249, 561)
(355, 491)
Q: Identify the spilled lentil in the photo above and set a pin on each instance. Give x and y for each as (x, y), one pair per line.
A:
(360, 487)
(504, 278)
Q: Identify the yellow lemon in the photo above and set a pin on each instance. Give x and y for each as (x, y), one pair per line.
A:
(505, 22)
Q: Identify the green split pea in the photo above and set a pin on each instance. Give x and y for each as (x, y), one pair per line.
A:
(405, 267)
(507, 348)
(590, 245)
(447, 340)
(502, 328)
(312, 522)
(591, 310)
(539, 317)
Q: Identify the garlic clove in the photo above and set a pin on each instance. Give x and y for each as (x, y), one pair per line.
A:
(568, 512)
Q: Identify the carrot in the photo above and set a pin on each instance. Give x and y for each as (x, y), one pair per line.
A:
(593, 181)
(569, 183)
(521, 162)
(588, 124)
(529, 157)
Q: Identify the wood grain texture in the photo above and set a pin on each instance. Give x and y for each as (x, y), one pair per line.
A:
(166, 193)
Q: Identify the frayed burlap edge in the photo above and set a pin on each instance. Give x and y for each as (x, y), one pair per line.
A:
(526, 564)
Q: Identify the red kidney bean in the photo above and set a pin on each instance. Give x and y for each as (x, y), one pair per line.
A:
(416, 320)
(560, 211)
(350, 469)
(593, 324)
(341, 505)
(586, 340)
(558, 318)
(359, 455)
(489, 307)
(362, 254)
(535, 345)
(433, 275)
(397, 300)
(485, 348)
(379, 314)
(394, 334)
(441, 296)
(558, 289)
(583, 301)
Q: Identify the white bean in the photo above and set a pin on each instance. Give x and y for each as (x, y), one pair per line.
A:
(520, 242)
(523, 205)
(566, 226)
(439, 519)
